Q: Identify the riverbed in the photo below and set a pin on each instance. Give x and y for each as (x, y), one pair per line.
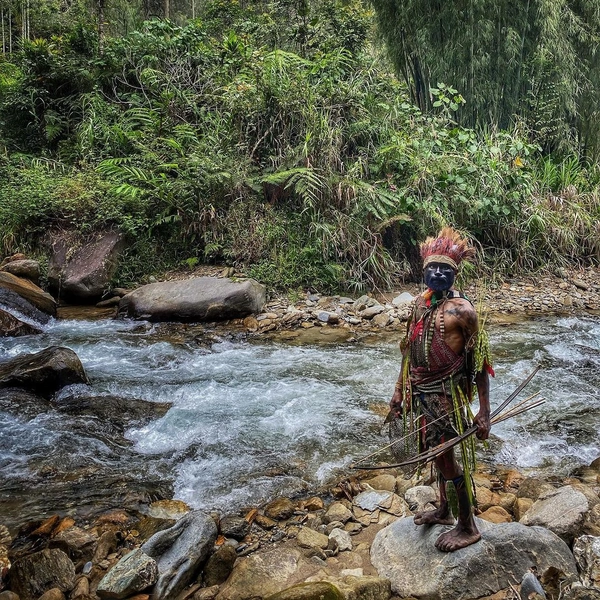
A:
(251, 420)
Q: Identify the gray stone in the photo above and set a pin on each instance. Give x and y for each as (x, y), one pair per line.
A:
(372, 500)
(342, 539)
(371, 311)
(180, 552)
(562, 511)
(419, 497)
(530, 585)
(198, 299)
(34, 574)
(44, 372)
(403, 299)
(86, 275)
(586, 551)
(405, 554)
(134, 573)
(328, 317)
(234, 527)
(21, 308)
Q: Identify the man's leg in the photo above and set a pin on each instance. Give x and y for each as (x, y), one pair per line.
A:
(440, 515)
(465, 533)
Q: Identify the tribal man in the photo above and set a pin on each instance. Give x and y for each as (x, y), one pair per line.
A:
(443, 354)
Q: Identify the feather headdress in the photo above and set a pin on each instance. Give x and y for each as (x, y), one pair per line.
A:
(448, 248)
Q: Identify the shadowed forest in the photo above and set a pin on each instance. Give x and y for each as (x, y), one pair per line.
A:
(309, 143)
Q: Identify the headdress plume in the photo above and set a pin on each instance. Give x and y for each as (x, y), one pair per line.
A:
(448, 248)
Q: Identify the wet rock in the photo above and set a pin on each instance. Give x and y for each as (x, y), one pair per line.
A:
(405, 553)
(198, 299)
(586, 551)
(11, 326)
(319, 590)
(30, 292)
(134, 573)
(180, 551)
(44, 372)
(562, 511)
(219, 566)
(21, 308)
(34, 574)
(280, 509)
(77, 543)
(85, 275)
(148, 526)
(25, 268)
(234, 527)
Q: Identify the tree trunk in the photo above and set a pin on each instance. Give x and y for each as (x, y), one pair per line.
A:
(166, 9)
(101, 7)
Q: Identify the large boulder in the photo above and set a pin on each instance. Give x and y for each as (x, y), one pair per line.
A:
(563, 511)
(180, 552)
(405, 554)
(198, 299)
(85, 275)
(34, 574)
(44, 372)
(29, 291)
(17, 305)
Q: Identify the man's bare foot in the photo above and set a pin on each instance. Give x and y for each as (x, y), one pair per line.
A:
(439, 516)
(459, 537)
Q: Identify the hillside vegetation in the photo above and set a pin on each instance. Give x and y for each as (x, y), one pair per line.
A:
(273, 137)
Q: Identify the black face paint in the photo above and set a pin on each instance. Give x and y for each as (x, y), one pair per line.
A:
(439, 277)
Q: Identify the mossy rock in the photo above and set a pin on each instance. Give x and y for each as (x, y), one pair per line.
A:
(319, 590)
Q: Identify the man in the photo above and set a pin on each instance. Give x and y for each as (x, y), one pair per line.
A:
(443, 354)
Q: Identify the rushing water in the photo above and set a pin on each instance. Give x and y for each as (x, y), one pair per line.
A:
(252, 420)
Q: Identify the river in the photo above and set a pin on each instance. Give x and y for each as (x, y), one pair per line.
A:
(251, 420)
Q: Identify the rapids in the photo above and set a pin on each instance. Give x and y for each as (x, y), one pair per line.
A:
(251, 420)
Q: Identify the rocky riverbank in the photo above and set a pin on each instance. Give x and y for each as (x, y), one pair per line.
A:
(328, 545)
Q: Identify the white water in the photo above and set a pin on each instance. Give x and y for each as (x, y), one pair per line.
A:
(250, 421)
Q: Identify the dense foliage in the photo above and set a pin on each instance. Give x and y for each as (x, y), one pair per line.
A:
(536, 59)
(270, 137)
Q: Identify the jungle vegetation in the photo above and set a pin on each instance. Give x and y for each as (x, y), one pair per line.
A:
(311, 143)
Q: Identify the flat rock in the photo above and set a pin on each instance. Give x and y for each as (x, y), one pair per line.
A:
(134, 573)
(405, 554)
(197, 299)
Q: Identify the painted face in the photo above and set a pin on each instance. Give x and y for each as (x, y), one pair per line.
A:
(439, 277)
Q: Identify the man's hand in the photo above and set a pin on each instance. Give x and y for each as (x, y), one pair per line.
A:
(396, 403)
(482, 420)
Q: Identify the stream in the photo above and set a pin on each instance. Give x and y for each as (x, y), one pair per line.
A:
(250, 420)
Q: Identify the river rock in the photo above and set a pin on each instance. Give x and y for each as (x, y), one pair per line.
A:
(44, 372)
(318, 590)
(563, 511)
(382, 482)
(219, 565)
(309, 538)
(11, 326)
(198, 299)
(261, 575)
(34, 574)
(85, 275)
(29, 291)
(342, 539)
(280, 509)
(405, 554)
(586, 551)
(234, 527)
(180, 552)
(533, 487)
(420, 497)
(76, 542)
(168, 509)
(134, 573)
(25, 268)
(337, 512)
(21, 308)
